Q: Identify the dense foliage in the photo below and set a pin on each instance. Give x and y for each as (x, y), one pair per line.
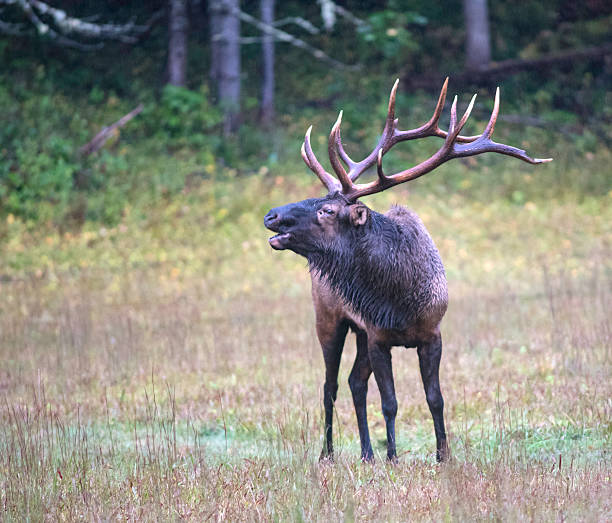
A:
(55, 99)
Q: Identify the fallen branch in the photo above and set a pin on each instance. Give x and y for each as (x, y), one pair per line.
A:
(100, 139)
(548, 60)
(68, 24)
(299, 21)
(59, 27)
(350, 16)
(497, 70)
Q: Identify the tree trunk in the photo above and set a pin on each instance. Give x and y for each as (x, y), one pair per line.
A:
(267, 50)
(177, 42)
(225, 35)
(478, 39)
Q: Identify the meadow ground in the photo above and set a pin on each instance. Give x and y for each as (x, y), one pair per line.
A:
(167, 368)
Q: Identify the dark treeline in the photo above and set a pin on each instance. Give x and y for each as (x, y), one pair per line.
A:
(227, 80)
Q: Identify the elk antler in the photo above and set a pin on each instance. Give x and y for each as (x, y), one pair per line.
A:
(454, 146)
(313, 164)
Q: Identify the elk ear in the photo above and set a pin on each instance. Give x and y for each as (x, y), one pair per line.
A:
(359, 214)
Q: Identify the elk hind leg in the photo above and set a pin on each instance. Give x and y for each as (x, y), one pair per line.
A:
(358, 382)
(430, 353)
(380, 359)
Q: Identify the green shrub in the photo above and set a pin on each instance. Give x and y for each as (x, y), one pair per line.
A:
(37, 173)
(182, 118)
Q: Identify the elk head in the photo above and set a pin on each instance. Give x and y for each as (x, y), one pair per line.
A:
(313, 224)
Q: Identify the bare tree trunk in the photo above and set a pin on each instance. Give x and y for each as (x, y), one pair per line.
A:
(478, 44)
(177, 42)
(226, 33)
(267, 49)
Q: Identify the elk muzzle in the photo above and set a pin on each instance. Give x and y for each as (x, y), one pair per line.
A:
(273, 222)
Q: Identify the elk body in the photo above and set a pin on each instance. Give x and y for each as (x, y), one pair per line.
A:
(379, 275)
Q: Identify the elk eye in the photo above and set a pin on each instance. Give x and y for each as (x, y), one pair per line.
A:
(329, 212)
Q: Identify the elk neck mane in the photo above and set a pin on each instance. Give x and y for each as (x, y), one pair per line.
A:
(384, 269)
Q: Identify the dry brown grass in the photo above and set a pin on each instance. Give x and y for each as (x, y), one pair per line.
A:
(176, 375)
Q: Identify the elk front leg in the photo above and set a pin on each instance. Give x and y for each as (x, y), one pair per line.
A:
(358, 382)
(380, 359)
(332, 341)
(429, 362)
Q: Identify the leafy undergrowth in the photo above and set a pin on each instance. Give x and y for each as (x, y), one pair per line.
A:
(167, 367)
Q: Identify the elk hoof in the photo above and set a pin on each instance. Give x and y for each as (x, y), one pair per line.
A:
(392, 460)
(326, 457)
(443, 454)
(367, 457)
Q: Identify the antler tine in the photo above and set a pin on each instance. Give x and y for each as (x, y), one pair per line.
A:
(391, 111)
(345, 157)
(381, 175)
(488, 132)
(313, 164)
(508, 150)
(453, 117)
(332, 146)
(304, 157)
(464, 118)
(435, 118)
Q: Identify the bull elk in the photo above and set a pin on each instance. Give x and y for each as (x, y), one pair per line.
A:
(379, 275)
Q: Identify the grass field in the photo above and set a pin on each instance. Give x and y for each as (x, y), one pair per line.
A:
(167, 368)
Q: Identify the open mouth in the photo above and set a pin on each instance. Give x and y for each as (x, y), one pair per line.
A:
(279, 241)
